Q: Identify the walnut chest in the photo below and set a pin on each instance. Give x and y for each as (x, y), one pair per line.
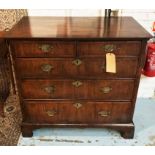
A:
(60, 68)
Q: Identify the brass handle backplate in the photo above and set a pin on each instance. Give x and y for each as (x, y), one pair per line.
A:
(50, 89)
(104, 113)
(109, 48)
(77, 105)
(51, 113)
(45, 48)
(105, 90)
(77, 83)
(47, 67)
(77, 62)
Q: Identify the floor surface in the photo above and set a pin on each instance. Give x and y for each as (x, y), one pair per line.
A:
(144, 119)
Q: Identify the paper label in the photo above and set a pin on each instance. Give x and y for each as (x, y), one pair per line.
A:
(110, 63)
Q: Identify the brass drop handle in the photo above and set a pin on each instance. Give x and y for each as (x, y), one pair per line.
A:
(77, 83)
(77, 105)
(109, 48)
(45, 48)
(47, 67)
(105, 90)
(77, 62)
(51, 113)
(104, 113)
(50, 89)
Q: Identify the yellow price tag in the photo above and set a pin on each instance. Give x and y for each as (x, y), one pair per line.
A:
(110, 63)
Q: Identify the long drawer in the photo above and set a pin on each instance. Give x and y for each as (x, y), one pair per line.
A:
(73, 68)
(78, 89)
(76, 112)
(44, 48)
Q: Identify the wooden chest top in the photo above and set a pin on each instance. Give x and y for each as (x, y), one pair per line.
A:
(78, 28)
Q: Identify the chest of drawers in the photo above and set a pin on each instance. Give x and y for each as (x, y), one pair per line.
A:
(60, 66)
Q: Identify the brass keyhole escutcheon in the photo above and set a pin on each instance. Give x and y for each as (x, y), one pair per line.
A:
(50, 89)
(77, 62)
(77, 83)
(77, 105)
(106, 90)
(46, 48)
(104, 113)
(47, 67)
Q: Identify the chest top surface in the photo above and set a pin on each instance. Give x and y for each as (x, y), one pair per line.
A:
(78, 28)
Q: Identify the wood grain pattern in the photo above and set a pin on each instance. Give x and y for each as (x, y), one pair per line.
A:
(64, 89)
(66, 112)
(33, 49)
(120, 48)
(78, 27)
(89, 68)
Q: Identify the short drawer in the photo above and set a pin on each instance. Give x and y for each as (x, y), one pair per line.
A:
(73, 68)
(120, 48)
(78, 89)
(43, 48)
(76, 112)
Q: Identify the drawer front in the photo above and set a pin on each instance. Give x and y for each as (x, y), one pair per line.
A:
(76, 112)
(105, 90)
(78, 89)
(43, 48)
(47, 89)
(120, 48)
(73, 68)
